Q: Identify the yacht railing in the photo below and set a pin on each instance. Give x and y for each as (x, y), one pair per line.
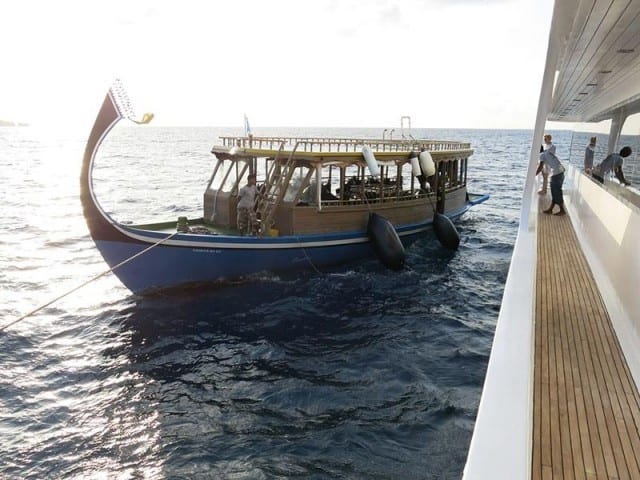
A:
(314, 144)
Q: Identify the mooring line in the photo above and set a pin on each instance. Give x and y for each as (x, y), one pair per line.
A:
(127, 260)
(304, 250)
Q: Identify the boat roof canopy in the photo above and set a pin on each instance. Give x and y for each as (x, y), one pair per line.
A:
(325, 158)
(598, 69)
(336, 151)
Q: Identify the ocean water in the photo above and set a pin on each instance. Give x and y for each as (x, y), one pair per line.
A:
(356, 372)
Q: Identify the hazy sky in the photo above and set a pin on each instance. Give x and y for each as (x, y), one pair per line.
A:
(456, 63)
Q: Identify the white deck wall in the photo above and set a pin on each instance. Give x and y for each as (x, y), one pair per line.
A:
(608, 228)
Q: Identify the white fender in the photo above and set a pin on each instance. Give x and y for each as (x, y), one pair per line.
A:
(415, 164)
(372, 163)
(426, 163)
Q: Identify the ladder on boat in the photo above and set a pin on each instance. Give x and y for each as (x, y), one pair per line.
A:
(275, 187)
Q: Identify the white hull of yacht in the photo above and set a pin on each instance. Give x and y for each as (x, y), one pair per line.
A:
(592, 73)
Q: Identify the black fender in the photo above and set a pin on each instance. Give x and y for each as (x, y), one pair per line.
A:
(386, 242)
(446, 231)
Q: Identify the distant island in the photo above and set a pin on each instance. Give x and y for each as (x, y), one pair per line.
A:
(7, 123)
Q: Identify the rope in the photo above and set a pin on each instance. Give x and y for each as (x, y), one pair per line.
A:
(431, 201)
(304, 250)
(32, 312)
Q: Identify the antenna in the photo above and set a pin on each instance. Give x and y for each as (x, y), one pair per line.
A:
(402, 122)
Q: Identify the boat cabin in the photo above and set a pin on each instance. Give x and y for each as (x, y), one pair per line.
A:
(324, 185)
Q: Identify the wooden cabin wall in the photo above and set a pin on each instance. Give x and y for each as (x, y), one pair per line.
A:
(307, 219)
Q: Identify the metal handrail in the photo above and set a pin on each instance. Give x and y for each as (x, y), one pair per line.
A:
(337, 144)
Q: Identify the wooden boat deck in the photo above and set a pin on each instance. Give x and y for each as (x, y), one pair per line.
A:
(586, 405)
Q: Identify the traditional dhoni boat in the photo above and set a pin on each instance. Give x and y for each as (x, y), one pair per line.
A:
(319, 202)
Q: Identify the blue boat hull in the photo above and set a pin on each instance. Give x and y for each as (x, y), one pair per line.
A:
(192, 259)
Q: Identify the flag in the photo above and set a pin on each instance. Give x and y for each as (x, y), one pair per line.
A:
(247, 127)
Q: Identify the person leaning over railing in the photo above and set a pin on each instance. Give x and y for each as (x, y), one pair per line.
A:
(612, 162)
(556, 170)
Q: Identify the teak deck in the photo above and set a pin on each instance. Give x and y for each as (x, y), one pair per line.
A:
(586, 405)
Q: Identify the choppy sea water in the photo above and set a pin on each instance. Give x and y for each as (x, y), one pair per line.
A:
(357, 372)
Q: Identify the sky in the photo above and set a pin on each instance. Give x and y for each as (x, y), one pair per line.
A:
(445, 63)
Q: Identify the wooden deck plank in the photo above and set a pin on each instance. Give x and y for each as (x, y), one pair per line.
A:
(537, 421)
(543, 442)
(563, 415)
(614, 371)
(598, 342)
(607, 438)
(576, 319)
(600, 436)
(572, 454)
(555, 357)
(625, 409)
(586, 405)
(585, 366)
(581, 441)
(573, 457)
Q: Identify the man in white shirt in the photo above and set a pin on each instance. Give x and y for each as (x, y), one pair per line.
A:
(612, 162)
(548, 159)
(246, 202)
(548, 146)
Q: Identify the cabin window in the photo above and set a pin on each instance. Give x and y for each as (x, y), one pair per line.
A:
(227, 174)
(236, 171)
(298, 179)
(219, 174)
(352, 183)
(330, 184)
(310, 193)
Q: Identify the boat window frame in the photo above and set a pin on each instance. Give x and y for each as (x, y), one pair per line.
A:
(300, 187)
(224, 186)
(219, 161)
(324, 178)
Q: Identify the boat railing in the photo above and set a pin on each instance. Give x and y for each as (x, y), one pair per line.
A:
(372, 198)
(315, 144)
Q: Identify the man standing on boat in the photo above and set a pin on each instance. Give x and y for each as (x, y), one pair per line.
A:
(612, 162)
(588, 156)
(548, 146)
(246, 202)
(549, 160)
